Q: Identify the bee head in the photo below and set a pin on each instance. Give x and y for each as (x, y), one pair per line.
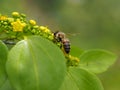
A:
(59, 35)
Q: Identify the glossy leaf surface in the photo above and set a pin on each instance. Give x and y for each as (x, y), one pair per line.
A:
(36, 64)
(97, 61)
(3, 58)
(80, 79)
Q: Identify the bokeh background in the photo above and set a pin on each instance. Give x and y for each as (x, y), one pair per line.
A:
(89, 24)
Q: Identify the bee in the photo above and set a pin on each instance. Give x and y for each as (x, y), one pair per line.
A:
(65, 43)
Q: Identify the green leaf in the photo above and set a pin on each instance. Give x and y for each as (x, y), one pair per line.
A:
(97, 61)
(36, 64)
(76, 51)
(6, 86)
(3, 58)
(80, 79)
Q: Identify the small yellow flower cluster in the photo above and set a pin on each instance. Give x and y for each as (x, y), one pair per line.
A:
(18, 25)
(72, 61)
(47, 32)
(44, 29)
(3, 18)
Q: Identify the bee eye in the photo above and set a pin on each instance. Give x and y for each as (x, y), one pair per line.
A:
(59, 34)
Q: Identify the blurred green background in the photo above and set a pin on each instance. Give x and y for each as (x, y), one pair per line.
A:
(89, 24)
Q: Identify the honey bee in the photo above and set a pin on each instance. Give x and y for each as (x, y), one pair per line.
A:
(65, 43)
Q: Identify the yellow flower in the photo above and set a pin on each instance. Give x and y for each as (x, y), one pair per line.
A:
(44, 29)
(47, 30)
(3, 17)
(18, 25)
(33, 22)
(15, 14)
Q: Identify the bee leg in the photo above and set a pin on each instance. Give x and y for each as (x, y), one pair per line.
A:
(61, 46)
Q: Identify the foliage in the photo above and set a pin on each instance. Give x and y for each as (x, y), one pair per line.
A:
(37, 61)
(3, 59)
(97, 60)
(80, 79)
(29, 61)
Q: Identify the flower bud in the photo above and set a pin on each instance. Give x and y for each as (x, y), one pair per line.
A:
(16, 14)
(32, 22)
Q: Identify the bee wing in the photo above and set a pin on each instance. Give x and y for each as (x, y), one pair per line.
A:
(72, 34)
